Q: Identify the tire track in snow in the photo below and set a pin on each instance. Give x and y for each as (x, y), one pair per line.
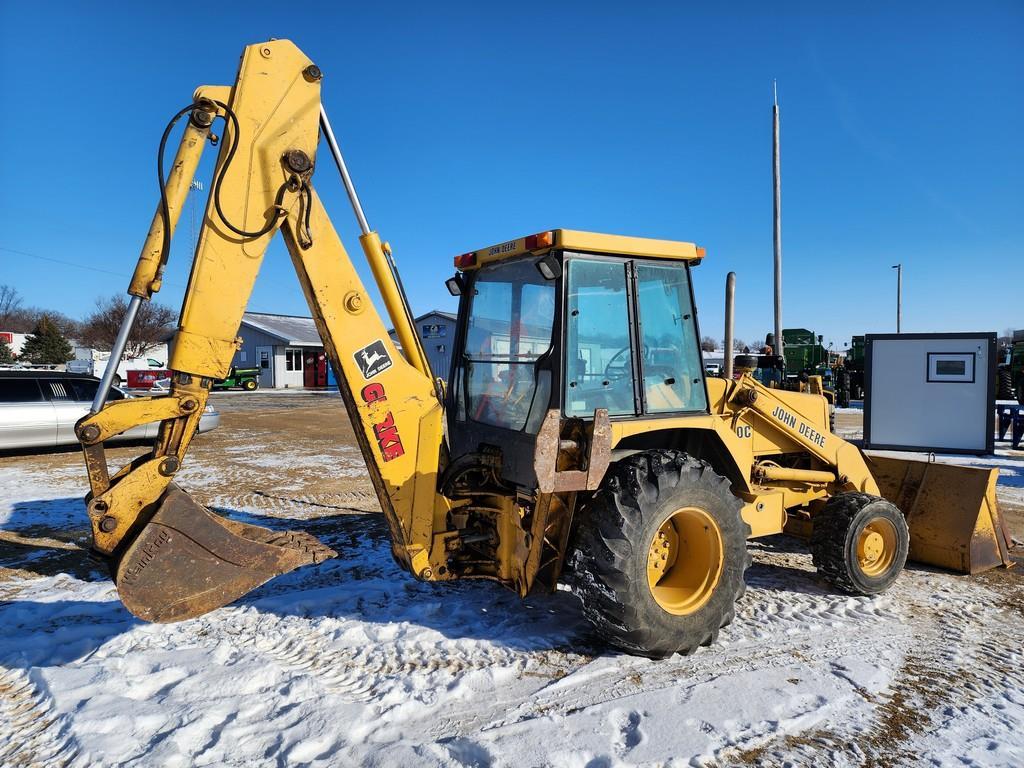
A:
(260, 502)
(32, 734)
(772, 631)
(363, 674)
(947, 674)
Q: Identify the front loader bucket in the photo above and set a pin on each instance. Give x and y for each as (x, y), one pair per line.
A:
(951, 512)
(187, 561)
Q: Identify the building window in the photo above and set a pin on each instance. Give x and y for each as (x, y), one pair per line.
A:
(292, 359)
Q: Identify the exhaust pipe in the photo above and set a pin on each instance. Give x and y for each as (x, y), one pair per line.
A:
(730, 311)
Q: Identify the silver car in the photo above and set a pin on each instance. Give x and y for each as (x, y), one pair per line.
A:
(39, 409)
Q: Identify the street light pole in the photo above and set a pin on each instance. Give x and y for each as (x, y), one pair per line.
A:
(899, 295)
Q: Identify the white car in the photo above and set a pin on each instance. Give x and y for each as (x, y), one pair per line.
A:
(39, 409)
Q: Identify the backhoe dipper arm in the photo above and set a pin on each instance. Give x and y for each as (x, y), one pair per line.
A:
(171, 558)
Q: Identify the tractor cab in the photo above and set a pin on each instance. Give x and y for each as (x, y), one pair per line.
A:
(572, 322)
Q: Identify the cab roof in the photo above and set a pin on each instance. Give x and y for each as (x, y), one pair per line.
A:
(587, 242)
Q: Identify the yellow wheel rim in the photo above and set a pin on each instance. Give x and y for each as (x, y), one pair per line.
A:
(876, 547)
(684, 561)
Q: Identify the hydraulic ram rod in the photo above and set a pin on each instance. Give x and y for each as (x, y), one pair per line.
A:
(385, 272)
(115, 354)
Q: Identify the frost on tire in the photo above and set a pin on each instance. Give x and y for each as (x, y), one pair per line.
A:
(615, 533)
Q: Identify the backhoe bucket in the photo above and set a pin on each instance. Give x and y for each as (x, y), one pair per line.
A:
(187, 561)
(951, 512)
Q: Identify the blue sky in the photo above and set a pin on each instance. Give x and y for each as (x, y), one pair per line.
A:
(469, 124)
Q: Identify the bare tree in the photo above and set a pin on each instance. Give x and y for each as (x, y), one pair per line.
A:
(708, 344)
(25, 319)
(757, 347)
(10, 302)
(153, 325)
(738, 345)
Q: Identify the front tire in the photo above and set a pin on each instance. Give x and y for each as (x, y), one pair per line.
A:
(859, 543)
(249, 385)
(660, 554)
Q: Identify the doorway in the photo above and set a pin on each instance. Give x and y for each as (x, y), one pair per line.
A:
(315, 369)
(265, 362)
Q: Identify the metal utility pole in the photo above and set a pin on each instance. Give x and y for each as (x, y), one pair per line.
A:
(776, 177)
(899, 295)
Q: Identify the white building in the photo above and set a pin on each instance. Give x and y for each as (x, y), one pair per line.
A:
(14, 340)
(289, 352)
(286, 348)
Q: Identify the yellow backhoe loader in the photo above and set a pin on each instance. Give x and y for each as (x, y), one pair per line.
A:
(577, 441)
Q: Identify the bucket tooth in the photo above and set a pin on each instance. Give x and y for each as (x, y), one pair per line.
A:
(187, 561)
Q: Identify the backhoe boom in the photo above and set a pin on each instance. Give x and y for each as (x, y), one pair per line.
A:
(262, 184)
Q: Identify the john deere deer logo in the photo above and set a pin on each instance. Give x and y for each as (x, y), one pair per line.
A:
(372, 359)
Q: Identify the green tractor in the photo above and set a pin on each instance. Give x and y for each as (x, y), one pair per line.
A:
(240, 378)
(854, 365)
(1011, 370)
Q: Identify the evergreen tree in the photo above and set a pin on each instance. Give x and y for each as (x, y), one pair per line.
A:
(6, 355)
(46, 345)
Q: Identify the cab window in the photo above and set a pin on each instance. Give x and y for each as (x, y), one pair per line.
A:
(508, 330)
(671, 359)
(599, 359)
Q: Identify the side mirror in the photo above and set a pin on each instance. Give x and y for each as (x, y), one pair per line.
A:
(454, 284)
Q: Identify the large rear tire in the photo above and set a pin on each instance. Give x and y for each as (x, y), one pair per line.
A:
(660, 554)
(859, 543)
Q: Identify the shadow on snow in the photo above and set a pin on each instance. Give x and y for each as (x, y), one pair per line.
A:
(363, 584)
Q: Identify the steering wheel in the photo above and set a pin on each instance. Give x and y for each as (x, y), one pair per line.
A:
(621, 369)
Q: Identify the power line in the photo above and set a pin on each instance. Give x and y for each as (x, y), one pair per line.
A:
(61, 261)
(122, 275)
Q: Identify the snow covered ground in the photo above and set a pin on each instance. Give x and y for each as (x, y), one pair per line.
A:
(355, 663)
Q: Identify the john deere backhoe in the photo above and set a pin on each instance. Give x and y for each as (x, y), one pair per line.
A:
(578, 440)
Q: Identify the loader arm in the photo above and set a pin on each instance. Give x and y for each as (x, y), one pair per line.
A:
(844, 459)
(170, 557)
